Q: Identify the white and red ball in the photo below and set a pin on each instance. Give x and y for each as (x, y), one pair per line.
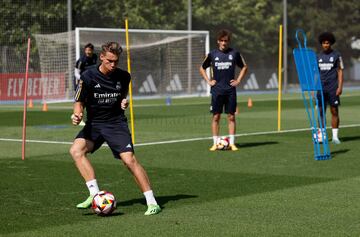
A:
(319, 138)
(223, 143)
(104, 203)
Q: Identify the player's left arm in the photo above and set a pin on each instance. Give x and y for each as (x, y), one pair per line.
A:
(124, 93)
(240, 62)
(340, 76)
(124, 104)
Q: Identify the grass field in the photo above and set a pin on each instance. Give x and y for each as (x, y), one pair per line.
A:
(271, 187)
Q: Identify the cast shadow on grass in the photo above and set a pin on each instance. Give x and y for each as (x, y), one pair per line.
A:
(184, 186)
(162, 200)
(348, 139)
(255, 144)
(335, 153)
(212, 185)
(115, 213)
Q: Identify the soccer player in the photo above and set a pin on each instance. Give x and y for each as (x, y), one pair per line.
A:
(331, 73)
(223, 62)
(102, 91)
(86, 61)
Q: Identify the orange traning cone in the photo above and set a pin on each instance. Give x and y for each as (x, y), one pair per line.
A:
(31, 105)
(44, 108)
(250, 103)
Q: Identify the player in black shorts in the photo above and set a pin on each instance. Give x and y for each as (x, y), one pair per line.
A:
(102, 91)
(331, 68)
(223, 62)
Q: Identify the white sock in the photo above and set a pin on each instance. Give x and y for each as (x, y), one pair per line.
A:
(149, 196)
(215, 138)
(232, 139)
(335, 132)
(93, 187)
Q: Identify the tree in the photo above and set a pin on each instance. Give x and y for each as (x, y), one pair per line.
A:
(254, 24)
(21, 19)
(142, 14)
(340, 17)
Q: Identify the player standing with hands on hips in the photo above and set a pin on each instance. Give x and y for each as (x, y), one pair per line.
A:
(102, 91)
(223, 62)
(331, 73)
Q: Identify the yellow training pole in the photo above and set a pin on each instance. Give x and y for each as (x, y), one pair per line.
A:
(130, 85)
(279, 76)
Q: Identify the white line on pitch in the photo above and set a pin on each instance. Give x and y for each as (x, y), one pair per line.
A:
(180, 140)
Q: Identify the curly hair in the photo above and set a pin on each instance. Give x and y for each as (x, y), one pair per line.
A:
(223, 33)
(327, 36)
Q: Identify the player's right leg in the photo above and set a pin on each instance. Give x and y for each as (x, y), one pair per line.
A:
(322, 111)
(215, 130)
(217, 104)
(78, 152)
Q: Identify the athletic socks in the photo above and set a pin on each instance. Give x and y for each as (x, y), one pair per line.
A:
(232, 139)
(335, 132)
(150, 199)
(93, 187)
(215, 138)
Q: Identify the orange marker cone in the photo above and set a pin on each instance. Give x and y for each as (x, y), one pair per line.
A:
(44, 108)
(250, 103)
(31, 105)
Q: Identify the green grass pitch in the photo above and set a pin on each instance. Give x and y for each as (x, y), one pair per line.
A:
(271, 187)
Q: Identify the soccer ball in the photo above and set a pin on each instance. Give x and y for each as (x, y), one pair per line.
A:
(223, 143)
(319, 137)
(104, 203)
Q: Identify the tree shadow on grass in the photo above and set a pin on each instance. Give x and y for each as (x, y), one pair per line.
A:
(162, 200)
(255, 144)
(183, 187)
(342, 151)
(348, 139)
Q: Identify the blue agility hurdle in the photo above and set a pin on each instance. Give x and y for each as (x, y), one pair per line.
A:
(309, 78)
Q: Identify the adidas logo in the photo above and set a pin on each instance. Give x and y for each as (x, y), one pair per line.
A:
(97, 86)
(128, 145)
(148, 86)
(251, 83)
(273, 82)
(175, 84)
(217, 59)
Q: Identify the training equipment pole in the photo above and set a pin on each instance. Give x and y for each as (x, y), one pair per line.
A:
(130, 85)
(25, 100)
(280, 78)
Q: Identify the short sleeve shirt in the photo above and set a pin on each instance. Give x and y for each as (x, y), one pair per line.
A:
(329, 63)
(223, 66)
(102, 94)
